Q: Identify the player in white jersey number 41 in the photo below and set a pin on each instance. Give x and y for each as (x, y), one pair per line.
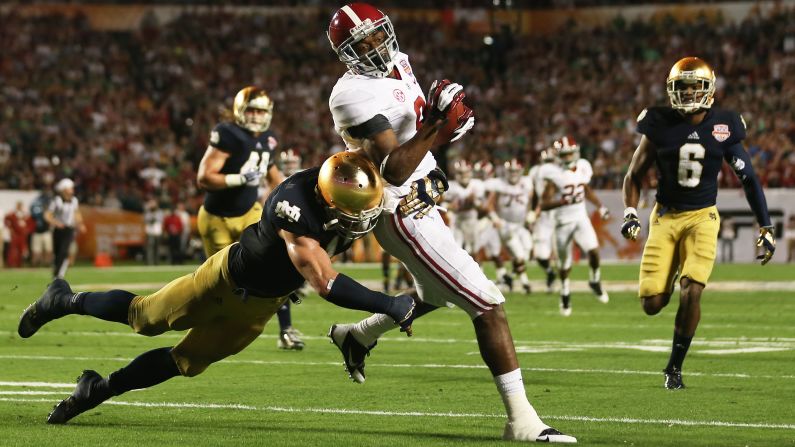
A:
(565, 192)
(378, 107)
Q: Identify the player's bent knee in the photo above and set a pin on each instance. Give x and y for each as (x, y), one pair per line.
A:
(653, 304)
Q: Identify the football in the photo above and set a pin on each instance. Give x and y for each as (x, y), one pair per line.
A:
(446, 132)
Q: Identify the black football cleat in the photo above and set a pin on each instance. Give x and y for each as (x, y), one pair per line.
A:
(91, 391)
(508, 281)
(551, 277)
(527, 289)
(601, 295)
(353, 352)
(673, 379)
(53, 304)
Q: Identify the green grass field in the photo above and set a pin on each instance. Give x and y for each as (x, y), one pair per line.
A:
(595, 375)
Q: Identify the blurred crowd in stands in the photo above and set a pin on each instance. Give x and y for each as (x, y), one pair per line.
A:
(127, 115)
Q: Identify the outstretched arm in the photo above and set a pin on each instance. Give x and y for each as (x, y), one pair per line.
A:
(314, 264)
(642, 160)
(739, 160)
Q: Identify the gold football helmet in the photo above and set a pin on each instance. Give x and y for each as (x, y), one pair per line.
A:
(353, 193)
(691, 85)
(253, 98)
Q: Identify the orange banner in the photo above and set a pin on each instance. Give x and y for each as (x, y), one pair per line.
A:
(109, 231)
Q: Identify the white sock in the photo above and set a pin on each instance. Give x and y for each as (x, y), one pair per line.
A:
(595, 275)
(523, 279)
(511, 388)
(368, 330)
(564, 290)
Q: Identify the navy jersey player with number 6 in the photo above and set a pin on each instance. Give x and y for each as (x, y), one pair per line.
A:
(688, 142)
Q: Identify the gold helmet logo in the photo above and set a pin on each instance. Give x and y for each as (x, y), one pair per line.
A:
(253, 109)
(691, 85)
(353, 192)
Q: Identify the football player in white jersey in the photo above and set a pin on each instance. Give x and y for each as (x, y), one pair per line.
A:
(565, 191)
(488, 237)
(378, 107)
(509, 203)
(542, 221)
(465, 200)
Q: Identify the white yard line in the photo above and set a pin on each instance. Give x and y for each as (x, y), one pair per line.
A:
(391, 365)
(38, 384)
(576, 286)
(351, 411)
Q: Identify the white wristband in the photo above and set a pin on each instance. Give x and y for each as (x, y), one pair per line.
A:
(233, 180)
(630, 210)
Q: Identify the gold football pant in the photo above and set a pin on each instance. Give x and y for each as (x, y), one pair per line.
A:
(220, 323)
(217, 232)
(678, 240)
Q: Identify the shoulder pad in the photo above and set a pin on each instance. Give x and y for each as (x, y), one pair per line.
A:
(224, 137)
(352, 107)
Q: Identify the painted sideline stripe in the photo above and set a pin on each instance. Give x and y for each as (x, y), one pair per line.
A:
(392, 365)
(39, 384)
(32, 393)
(576, 286)
(347, 411)
(653, 344)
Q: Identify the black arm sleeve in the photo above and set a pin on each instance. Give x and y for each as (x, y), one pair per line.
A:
(367, 129)
(739, 160)
(346, 292)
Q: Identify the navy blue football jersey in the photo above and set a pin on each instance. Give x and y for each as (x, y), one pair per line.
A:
(244, 149)
(260, 263)
(689, 157)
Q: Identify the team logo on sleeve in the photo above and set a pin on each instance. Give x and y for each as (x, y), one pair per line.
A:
(214, 137)
(287, 211)
(721, 132)
(399, 95)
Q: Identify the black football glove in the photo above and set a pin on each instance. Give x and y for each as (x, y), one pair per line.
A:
(402, 311)
(424, 195)
(767, 240)
(630, 229)
(442, 96)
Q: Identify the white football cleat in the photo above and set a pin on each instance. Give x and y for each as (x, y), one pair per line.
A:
(527, 432)
(565, 311)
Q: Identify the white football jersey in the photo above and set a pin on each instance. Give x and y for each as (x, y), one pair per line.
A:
(513, 201)
(458, 194)
(570, 184)
(356, 99)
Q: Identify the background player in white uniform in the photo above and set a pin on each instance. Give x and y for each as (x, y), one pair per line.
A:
(488, 237)
(379, 107)
(565, 191)
(542, 221)
(509, 203)
(465, 200)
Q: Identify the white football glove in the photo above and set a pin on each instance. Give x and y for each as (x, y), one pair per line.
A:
(604, 213)
(463, 128)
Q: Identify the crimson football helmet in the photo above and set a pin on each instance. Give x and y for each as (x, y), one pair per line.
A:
(290, 161)
(568, 151)
(463, 172)
(353, 23)
(513, 171)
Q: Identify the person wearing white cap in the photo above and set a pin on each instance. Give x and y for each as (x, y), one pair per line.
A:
(64, 216)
